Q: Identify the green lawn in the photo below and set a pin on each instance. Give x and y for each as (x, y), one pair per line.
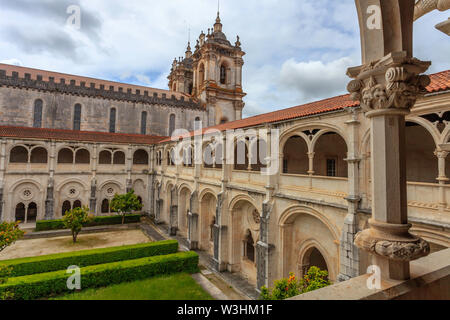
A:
(172, 287)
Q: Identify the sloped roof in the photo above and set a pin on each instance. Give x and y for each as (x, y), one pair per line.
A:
(439, 82)
(79, 136)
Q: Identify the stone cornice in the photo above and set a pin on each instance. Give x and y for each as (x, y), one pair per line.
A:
(91, 91)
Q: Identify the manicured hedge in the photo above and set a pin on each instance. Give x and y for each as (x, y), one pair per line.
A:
(54, 283)
(45, 225)
(84, 258)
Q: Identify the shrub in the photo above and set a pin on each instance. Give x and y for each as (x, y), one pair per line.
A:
(53, 283)
(74, 220)
(84, 258)
(9, 233)
(45, 225)
(288, 288)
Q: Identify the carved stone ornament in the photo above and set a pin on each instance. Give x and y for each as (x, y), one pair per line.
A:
(394, 82)
(392, 241)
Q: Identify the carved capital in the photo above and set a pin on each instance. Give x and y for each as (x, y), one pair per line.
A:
(392, 241)
(393, 82)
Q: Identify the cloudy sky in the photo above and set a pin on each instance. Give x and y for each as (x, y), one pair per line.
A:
(297, 50)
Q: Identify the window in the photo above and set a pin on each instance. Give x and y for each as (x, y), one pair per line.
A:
(249, 247)
(140, 157)
(83, 156)
(171, 124)
(112, 121)
(65, 208)
(18, 155)
(37, 122)
(105, 206)
(331, 168)
(223, 75)
(144, 123)
(119, 158)
(77, 117)
(105, 157)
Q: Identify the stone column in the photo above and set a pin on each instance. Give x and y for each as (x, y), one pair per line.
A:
(387, 86)
(387, 91)
(442, 179)
(193, 232)
(2, 174)
(219, 231)
(349, 253)
(50, 200)
(264, 250)
(93, 197)
(173, 219)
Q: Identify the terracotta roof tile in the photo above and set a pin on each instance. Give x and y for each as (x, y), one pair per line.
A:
(82, 136)
(439, 82)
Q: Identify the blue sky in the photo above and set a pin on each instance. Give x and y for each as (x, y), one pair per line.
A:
(297, 50)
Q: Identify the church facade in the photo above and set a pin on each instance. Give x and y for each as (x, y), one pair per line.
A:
(67, 141)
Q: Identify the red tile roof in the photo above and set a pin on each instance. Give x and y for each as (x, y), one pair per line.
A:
(439, 82)
(80, 136)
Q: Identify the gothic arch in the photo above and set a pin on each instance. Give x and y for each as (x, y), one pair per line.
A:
(24, 181)
(205, 192)
(305, 249)
(117, 183)
(71, 180)
(322, 132)
(433, 131)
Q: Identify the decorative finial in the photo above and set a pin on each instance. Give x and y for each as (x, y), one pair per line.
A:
(238, 42)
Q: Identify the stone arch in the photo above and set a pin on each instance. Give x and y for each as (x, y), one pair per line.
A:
(295, 154)
(245, 217)
(301, 228)
(184, 197)
(207, 218)
(330, 150)
(66, 156)
(307, 257)
(119, 157)
(19, 154)
(140, 190)
(140, 157)
(429, 127)
(39, 155)
(105, 157)
(28, 191)
(70, 190)
(82, 156)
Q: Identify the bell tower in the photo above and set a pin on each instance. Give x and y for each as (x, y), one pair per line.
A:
(217, 75)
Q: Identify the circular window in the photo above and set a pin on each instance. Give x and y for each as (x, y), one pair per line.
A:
(110, 191)
(27, 193)
(72, 191)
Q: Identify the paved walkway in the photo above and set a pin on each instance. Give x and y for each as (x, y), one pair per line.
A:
(244, 290)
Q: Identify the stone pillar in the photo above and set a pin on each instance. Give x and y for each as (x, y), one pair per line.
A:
(218, 235)
(173, 218)
(264, 250)
(49, 201)
(442, 179)
(129, 185)
(1, 203)
(93, 197)
(193, 232)
(387, 86)
(349, 253)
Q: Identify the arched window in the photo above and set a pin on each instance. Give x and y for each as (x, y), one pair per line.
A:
(65, 208)
(37, 115)
(105, 157)
(171, 124)
(201, 74)
(77, 117)
(241, 156)
(18, 154)
(105, 206)
(65, 156)
(249, 247)
(20, 212)
(295, 156)
(330, 153)
(112, 120)
(223, 74)
(144, 122)
(119, 157)
(31, 212)
(140, 157)
(77, 204)
(83, 157)
(39, 155)
(258, 155)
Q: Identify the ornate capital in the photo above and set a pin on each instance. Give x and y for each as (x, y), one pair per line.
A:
(392, 241)
(393, 82)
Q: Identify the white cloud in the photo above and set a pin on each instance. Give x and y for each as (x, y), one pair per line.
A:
(15, 62)
(294, 48)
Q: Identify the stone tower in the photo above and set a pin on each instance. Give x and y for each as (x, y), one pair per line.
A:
(214, 73)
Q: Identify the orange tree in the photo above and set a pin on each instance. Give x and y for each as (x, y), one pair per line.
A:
(125, 203)
(75, 219)
(9, 233)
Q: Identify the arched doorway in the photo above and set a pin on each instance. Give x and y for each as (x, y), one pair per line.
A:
(20, 212)
(208, 206)
(244, 236)
(31, 213)
(312, 258)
